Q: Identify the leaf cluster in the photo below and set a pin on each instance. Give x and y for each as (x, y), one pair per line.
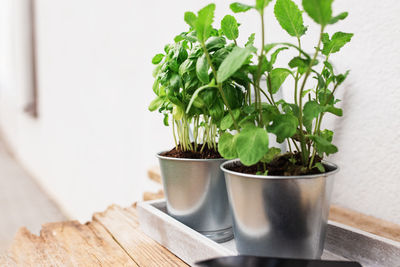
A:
(207, 74)
(193, 88)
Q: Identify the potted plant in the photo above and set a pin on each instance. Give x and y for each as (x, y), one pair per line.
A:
(280, 200)
(197, 106)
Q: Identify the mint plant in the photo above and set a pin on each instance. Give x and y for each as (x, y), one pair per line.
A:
(299, 122)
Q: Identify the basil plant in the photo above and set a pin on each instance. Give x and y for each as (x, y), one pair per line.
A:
(188, 93)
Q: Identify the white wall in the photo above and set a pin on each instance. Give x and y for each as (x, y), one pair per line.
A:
(95, 138)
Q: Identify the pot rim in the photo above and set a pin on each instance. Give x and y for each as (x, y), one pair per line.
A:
(277, 177)
(158, 155)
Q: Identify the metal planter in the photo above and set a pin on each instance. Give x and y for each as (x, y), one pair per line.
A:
(280, 216)
(196, 195)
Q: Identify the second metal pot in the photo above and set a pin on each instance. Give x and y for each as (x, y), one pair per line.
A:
(196, 195)
(280, 216)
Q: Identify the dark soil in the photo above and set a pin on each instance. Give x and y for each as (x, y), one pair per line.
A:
(280, 166)
(207, 153)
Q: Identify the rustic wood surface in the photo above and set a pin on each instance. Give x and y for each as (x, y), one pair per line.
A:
(342, 215)
(112, 238)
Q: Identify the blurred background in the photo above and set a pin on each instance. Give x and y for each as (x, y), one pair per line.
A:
(76, 79)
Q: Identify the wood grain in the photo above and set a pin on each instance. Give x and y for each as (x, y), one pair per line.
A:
(365, 222)
(122, 224)
(113, 238)
(7, 261)
(343, 215)
(152, 196)
(68, 244)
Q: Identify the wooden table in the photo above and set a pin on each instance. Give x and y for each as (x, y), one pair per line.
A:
(112, 238)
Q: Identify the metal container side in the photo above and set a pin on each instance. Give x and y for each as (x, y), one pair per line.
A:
(196, 195)
(280, 216)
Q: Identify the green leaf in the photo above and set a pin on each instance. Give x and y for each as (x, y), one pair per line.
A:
(319, 166)
(311, 111)
(289, 108)
(232, 63)
(275, 55)
(265, 66)
(325, 97)
(202, 68)
(305, 92)
(319, 10)
(177, 112)
(335, 111)
(234, 96)
(289, 17)
(327, 134)
(227, 121)
(341, 16)
(268, 47)
(329, 66)
(323, 145)
(271, 154)
(217, 110)
(186, 37)
(156, 103)
(300, 63)
(174, 82)
(277, 76)
(269, 112)
(250, 40)
(227, 146)
(239, 7)
(204, 21)
(283, 126)
(196, 93)
(229, 27)
(198, 103)
(157, 58)
(186, 66)
(341, 77)
(251, 145)
(190, 18)
(339, 39)
(156, 87)
(214, 43)
(261, 4)
(165, 120)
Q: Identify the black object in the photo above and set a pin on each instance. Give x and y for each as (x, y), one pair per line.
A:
(253, 261)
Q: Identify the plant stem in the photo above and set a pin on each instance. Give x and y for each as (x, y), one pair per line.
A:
(294, 142)
(260, 60)
(270, 92)
(173, 132)
(296, 80)
(304, 151)
(264, 93)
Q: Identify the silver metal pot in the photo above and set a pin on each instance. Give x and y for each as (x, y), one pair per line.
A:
(196, 195)
(280, 216)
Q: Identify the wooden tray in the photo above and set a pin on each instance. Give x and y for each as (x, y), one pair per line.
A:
(342, 242)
